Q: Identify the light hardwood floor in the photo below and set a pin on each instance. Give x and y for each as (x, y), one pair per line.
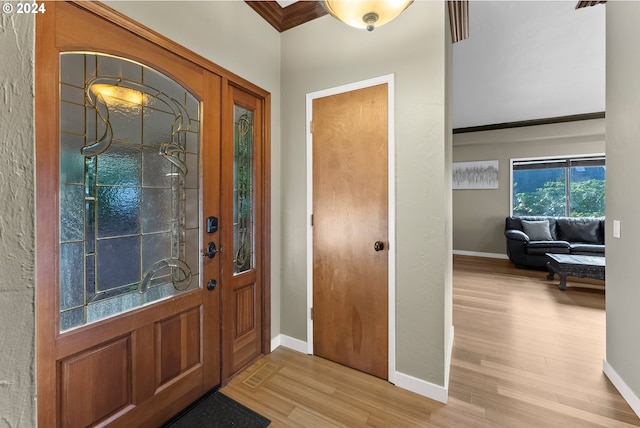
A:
(525, 355)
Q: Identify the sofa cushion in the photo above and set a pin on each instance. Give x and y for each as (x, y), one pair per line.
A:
(543, 247)
(537, 230)
(580, 248)
(579, 230)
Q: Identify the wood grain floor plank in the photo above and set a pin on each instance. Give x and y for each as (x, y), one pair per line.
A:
(305, 418)
(524, 355)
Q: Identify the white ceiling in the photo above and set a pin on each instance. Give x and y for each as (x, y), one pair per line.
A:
(285, 3)
(527, 60)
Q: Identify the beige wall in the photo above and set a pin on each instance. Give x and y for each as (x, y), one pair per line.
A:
(326, 53)
(17, 237)
(623, 179)
(478, 215)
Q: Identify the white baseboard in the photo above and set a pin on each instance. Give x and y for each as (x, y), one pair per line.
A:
(422, 387)
(275, 342)
(428, 389)
(622, 387)
(480, 254)
(447, 362)
(404, 381)
(289, 342)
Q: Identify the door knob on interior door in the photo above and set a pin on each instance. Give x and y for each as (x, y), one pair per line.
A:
(378, 246)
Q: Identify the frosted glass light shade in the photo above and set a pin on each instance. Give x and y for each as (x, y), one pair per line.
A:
(113, 94)
(366, 13)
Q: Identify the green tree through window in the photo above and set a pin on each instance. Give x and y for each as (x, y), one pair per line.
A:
(573, 187)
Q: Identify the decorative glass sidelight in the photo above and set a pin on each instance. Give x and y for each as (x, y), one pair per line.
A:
(243, 207)
(129, 188)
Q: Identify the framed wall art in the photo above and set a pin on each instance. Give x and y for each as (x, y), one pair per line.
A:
(475, 175)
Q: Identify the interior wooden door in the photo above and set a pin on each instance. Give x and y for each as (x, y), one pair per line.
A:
(127, 165)
(243, 156)
(350, 229)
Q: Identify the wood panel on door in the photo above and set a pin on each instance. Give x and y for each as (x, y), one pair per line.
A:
(243, 155)
(141, 367)
(350, 229)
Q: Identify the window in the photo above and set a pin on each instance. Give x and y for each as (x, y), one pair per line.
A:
(571, 187)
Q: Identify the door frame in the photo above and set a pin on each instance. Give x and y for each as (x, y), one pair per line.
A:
(391, 204)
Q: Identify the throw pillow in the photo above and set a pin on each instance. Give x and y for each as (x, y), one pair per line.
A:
(537, 230)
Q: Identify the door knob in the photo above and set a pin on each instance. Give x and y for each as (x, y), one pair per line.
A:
(378, 246)
(211, 285)
(210, 251)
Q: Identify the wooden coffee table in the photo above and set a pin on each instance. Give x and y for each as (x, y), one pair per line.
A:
(569, 265)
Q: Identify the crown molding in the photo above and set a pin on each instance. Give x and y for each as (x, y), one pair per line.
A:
(285, 18)
(534, 122)
(589, 3)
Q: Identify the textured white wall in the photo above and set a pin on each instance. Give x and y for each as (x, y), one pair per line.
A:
(17, 236)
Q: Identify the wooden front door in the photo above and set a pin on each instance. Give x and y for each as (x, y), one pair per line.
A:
(243, 155)
(127, 171)
(350, 229)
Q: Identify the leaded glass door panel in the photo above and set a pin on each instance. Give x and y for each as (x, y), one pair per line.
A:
(129, 156)
(128, 162)
(243, 167)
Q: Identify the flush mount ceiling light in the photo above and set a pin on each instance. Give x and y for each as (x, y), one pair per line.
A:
(367, 14)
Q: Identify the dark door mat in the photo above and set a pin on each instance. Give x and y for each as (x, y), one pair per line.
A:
(218, 411)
